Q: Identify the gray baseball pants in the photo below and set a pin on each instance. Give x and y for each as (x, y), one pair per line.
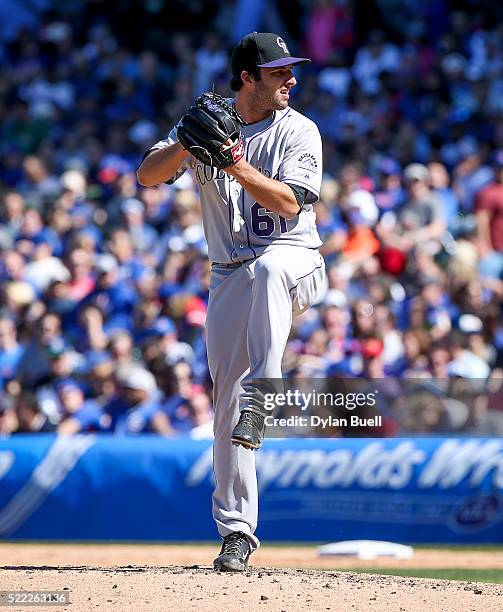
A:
(248, 323)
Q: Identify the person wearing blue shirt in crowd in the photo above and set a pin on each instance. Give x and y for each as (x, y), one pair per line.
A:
(33, 231)
(178, 388)
(143, 235)
(11, 352)
(173, 350)
(177, 407)
(135, 408)
(184, 231)
(131, 268)
(439, 180)
(79, 415)
(116, 297)
(471, 174)
(390, 195)
(157, 201)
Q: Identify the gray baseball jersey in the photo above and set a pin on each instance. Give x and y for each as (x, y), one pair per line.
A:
(270, 268)
(285, 146)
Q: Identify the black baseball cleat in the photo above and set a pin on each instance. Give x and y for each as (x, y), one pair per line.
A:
(234, 554)
(249, 432)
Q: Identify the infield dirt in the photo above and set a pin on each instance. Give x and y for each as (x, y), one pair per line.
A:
(157, 578)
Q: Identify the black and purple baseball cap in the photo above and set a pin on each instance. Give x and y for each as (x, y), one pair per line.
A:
(264, 50)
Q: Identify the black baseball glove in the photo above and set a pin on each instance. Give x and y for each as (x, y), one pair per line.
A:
(211, 131)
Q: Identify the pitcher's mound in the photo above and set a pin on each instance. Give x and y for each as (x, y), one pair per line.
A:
(135, 587)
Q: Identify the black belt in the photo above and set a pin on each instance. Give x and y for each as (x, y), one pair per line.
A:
(234, 264)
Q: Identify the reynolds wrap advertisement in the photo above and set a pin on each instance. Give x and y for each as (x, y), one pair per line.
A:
(150, 488)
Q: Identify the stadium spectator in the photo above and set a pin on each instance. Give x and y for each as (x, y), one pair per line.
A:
(422, 412)
(44, 268)
(489, 214)
(414, 362)
(393, 348)
(465, 363)
(34, 366)
(390, 195)
(470, 175)
(329, 29)
(100, 379)
(13, 207)
(81, 282)
(439, 356)
(176, 405)
(171, 348)
(11, 351)
(210, 61)
(363, 319)
(143, 236)
(419, 220)
(439, 181)
(373, 59)
(30, 417)
(8, 419)
(361, 242)
(135, 407)
(121, 346)
(201, 413)
(78, 414)
(92, 336)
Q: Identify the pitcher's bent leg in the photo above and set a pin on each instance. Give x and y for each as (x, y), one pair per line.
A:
(284, 278)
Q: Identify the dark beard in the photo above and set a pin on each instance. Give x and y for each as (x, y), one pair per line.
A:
(264, 102)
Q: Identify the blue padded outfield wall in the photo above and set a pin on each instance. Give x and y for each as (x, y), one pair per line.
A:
(150, 488)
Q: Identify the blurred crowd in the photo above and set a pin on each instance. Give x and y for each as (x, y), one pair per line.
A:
(104, 284)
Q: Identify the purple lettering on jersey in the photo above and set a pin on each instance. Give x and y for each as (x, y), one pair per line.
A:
(264, 221)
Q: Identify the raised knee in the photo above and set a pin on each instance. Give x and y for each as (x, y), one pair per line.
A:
(269, 268)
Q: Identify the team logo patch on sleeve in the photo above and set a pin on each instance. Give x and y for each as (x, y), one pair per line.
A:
(307, 161)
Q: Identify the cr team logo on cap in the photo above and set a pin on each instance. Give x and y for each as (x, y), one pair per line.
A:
(282, 44)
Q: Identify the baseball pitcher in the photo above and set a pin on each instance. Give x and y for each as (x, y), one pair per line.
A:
(258, 164)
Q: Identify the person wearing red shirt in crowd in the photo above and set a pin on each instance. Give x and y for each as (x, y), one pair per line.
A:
(330, 28)
(489, 215)
(81, 281)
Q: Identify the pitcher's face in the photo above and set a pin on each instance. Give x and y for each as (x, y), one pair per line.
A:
(272, 92)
